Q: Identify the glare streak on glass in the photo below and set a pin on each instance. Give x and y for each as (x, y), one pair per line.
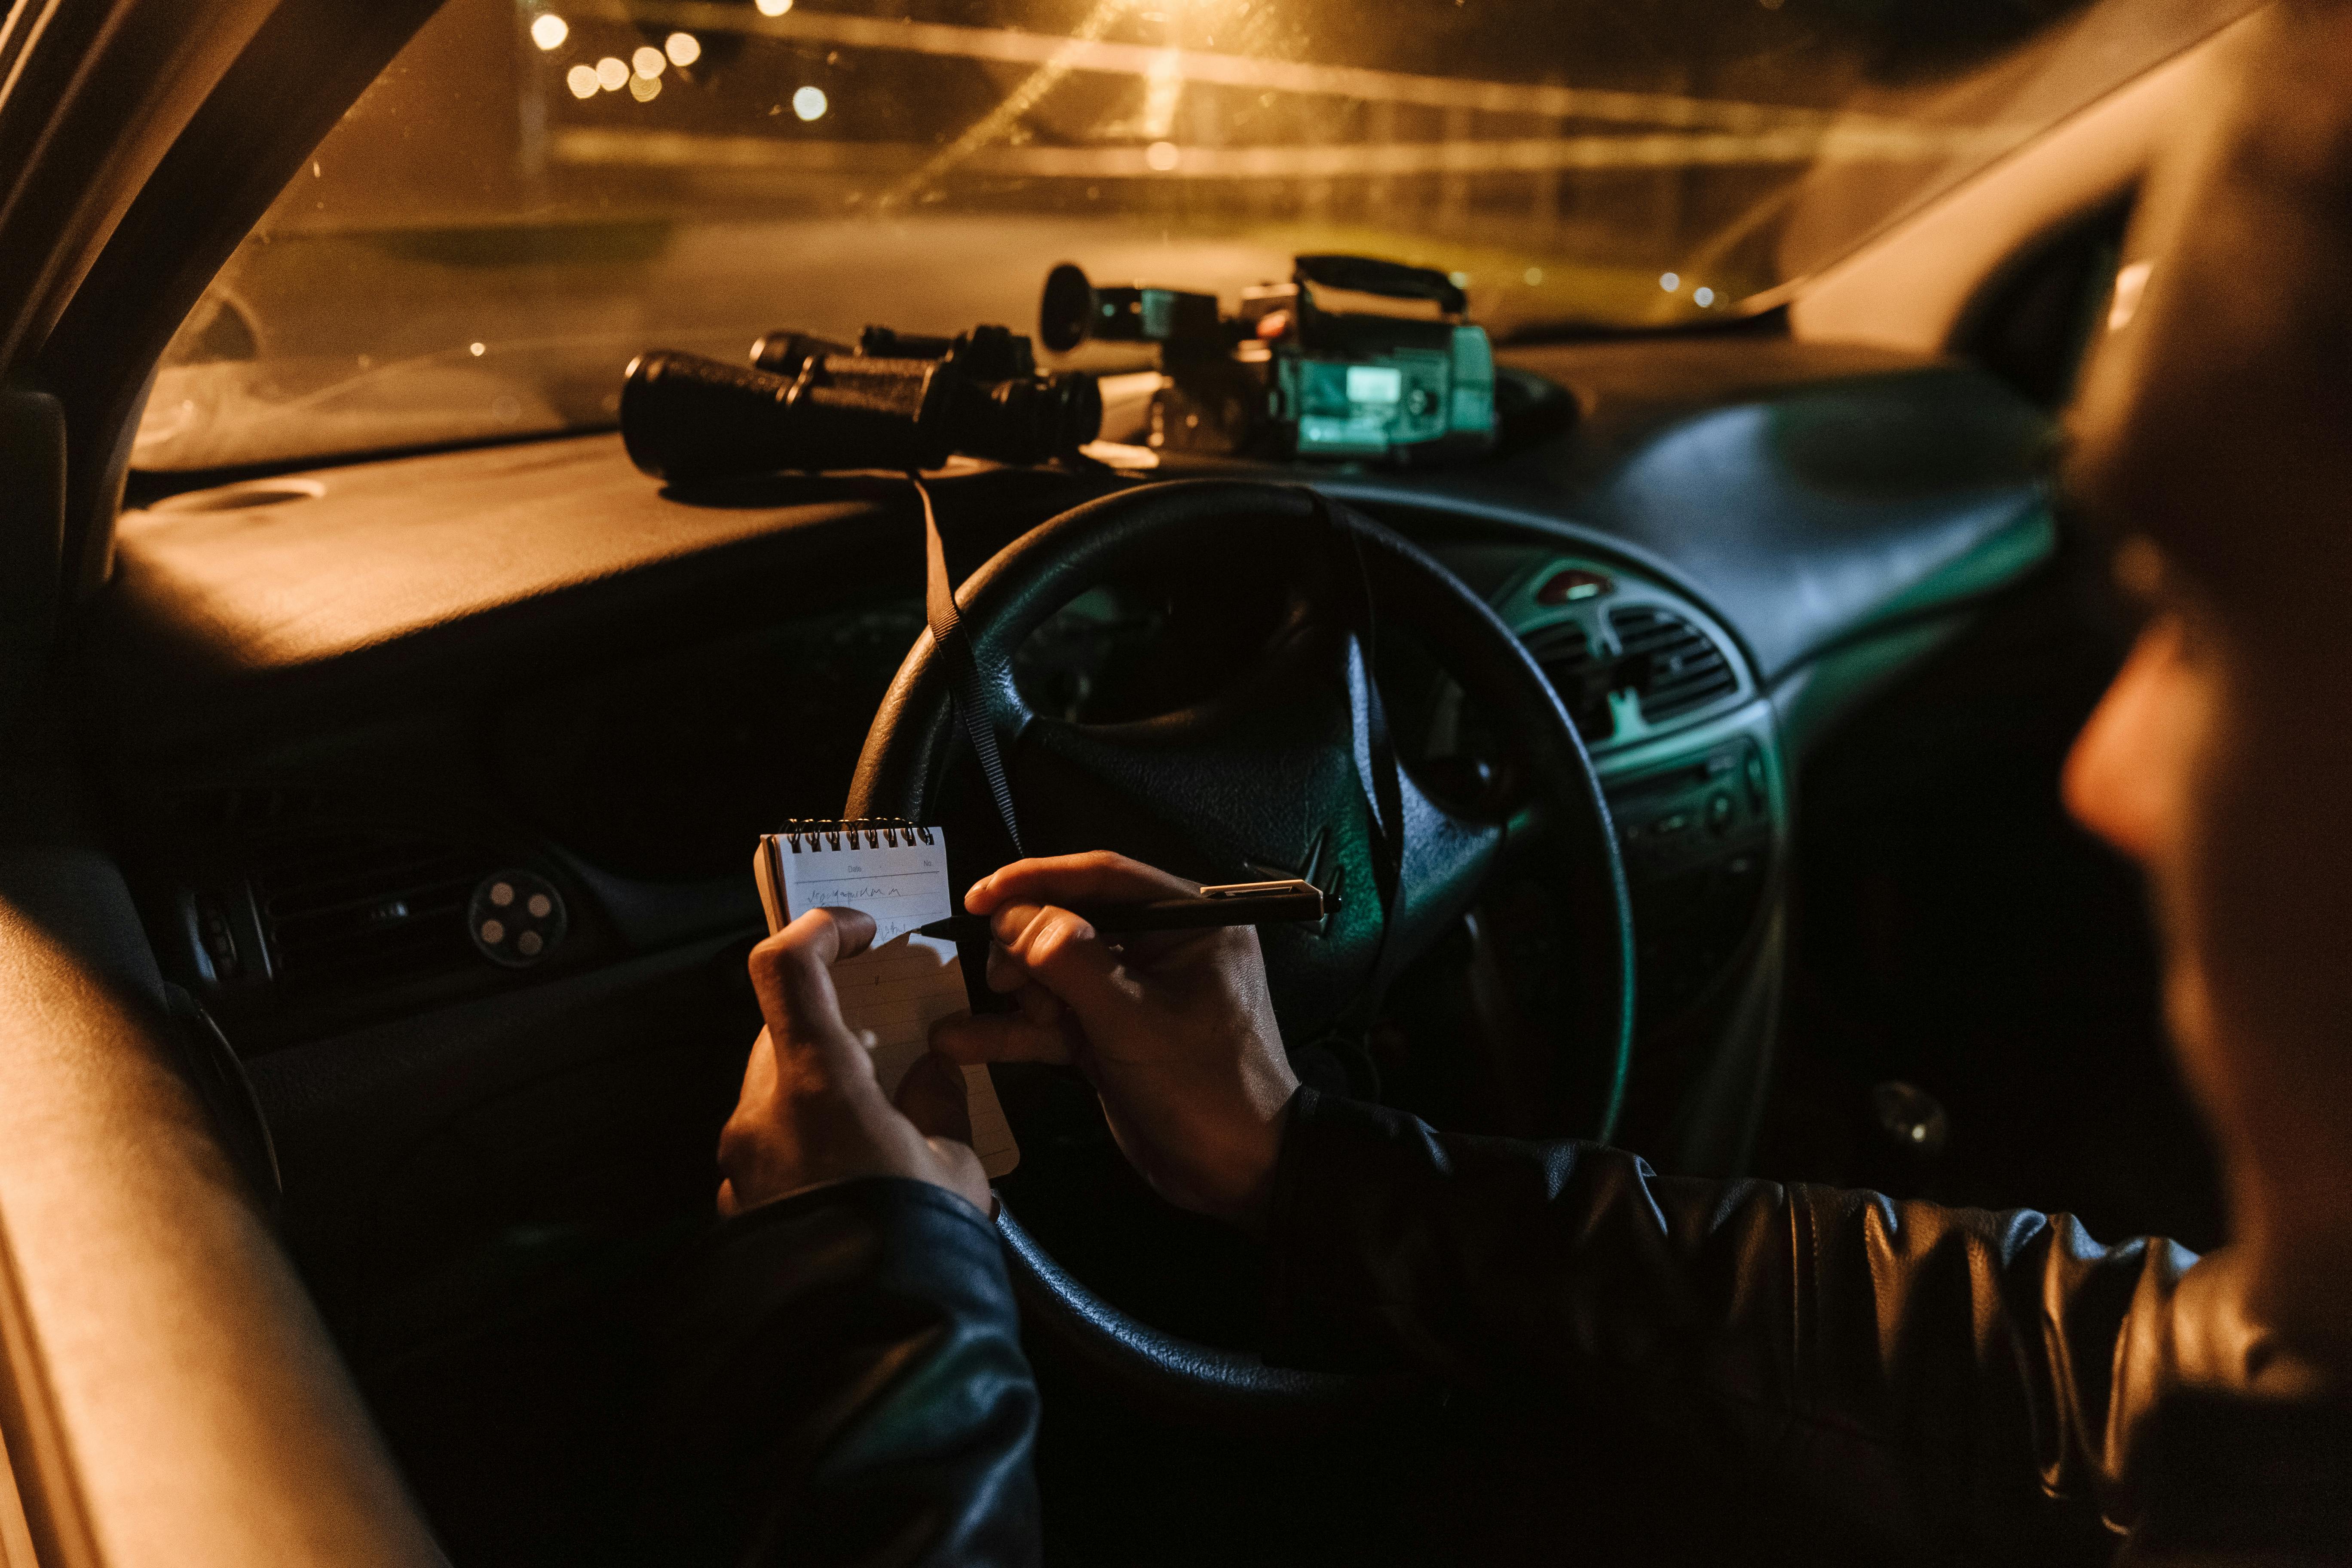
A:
(1050, 73)
(1086, 51)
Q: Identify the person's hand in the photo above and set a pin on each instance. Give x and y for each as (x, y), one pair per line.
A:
(1174, 1029)
(811, 1111)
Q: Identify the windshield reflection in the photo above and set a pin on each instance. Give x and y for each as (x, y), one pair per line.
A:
(529, 196)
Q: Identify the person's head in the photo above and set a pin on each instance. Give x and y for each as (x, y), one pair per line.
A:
(2213, 438)
(2229, 779)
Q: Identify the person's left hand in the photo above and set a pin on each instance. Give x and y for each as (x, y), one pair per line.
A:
(811, 1111)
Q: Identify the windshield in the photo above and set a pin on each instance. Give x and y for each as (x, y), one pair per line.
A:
(532, 192)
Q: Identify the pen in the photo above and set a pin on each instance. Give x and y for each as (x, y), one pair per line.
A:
(1231, 904)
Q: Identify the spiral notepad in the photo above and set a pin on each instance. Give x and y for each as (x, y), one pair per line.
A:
(904, 982)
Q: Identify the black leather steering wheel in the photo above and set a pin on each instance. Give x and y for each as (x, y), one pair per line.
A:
(1268, 774)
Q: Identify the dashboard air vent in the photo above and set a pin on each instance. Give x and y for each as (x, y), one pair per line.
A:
(349, 906)
(1670, 662)
(1565, 655)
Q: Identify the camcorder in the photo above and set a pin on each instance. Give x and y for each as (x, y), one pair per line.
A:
(1286, 377)
(895, 401)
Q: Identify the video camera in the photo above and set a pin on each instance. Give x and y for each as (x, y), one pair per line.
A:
(1286, 378)
(893, 402)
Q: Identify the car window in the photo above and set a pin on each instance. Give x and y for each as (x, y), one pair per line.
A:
(530, 194)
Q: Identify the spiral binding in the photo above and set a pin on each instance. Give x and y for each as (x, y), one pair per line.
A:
(864, 832)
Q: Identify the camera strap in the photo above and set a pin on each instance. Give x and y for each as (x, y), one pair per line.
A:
(969, 686)
(1375, 748)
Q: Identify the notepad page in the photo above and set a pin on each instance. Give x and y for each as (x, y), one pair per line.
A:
(902, 886)
(897, 989)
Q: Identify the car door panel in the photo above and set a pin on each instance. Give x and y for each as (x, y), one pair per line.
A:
(169, 1393)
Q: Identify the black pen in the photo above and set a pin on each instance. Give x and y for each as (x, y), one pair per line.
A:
(1231, 904)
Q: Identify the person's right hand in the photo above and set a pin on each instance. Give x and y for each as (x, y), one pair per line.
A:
(1174, 1029)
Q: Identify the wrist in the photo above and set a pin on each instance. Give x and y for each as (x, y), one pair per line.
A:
(1248, 1202)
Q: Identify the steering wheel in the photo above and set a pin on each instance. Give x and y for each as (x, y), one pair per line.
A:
(1271, 776)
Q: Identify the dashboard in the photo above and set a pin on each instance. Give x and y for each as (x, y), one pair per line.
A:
(342, 717)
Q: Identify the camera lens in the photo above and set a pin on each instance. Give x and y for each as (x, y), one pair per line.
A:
(1066, 314)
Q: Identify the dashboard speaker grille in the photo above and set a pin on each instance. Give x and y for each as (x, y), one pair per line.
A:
(1670, 663)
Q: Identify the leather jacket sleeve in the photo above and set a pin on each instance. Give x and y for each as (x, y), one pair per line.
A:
(842, 1382)
(1955, 1378)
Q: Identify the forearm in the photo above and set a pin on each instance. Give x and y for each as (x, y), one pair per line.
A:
(845, 1384)
(1949, 1366)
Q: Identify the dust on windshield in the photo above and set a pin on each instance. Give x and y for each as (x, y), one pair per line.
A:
(532, 192)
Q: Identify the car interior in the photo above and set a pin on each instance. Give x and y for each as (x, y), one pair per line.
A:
(1729, 688)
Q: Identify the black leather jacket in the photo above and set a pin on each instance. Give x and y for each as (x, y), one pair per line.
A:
(844, 1387)
(1945, 1384)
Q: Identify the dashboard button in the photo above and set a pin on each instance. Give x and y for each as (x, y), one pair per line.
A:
(219, 939)
(1573, 585)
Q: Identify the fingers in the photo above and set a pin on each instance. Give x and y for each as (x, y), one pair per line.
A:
(1038, 1005)
(760, 1070)
(811, 1109)
(1060, 951)
(959, 1171)
(853, 929)
(1099, 877)
(1006, 978)
(999, 1038)
(792, 973)
(932, 1097)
